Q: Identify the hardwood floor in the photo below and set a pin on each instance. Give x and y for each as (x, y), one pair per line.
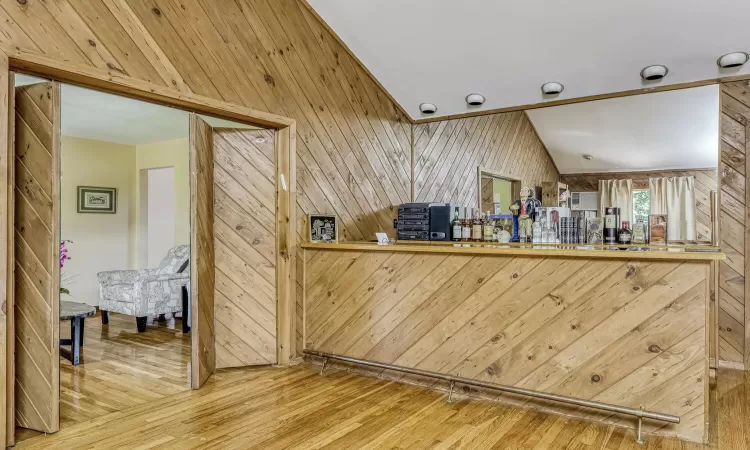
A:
(280, 408)
(120, 368)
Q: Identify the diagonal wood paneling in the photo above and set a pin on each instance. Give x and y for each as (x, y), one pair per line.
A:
(447, 153)
(37, 270)
(353, 143)
(549, 324)
(705, 182)
(733, 313)
(202, 252)
(244, 239)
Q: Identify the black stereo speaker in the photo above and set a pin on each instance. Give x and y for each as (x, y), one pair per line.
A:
(440, 222)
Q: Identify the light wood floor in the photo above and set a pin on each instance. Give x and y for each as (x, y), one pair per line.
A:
(279, 408)
(120, 368)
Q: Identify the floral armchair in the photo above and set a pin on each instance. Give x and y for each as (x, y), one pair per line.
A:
(146, 292)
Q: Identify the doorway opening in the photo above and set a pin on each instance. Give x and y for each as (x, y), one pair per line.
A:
(103, 252)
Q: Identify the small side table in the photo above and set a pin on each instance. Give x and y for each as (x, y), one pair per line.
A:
(76, 313)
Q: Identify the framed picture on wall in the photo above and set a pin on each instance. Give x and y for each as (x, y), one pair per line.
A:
(97, 200)
(323, 228)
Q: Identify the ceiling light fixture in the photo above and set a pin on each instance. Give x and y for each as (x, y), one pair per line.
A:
(428, 108)
(259, 140)
(735, 59)
(654, 73)
(588, 157)
(475, 99)
(552, 88)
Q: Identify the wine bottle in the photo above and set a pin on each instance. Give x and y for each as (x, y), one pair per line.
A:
(476, 228)
(610, 226)
(456, 225)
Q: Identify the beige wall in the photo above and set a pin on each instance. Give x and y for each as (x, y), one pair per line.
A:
(100, 241)
(174, 153)
(110, 241)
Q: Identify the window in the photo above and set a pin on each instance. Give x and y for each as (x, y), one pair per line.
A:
(641, 204)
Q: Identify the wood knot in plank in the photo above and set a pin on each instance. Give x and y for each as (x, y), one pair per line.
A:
(596, 378)
(92, 42)
(492, 370)
(514, 276)
(21, 2)
(631, 271)
(156, 11)
(653, 348)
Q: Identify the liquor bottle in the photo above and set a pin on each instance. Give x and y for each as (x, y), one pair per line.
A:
(625, 235)
(536, 232)
(476, 228)
(610, 226)
(639, 232)
(465, 229)
(488, 228)
(456, 224)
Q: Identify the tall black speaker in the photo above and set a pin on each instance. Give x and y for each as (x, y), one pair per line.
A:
(440, 222)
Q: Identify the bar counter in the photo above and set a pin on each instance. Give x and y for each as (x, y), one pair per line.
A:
(627, 328)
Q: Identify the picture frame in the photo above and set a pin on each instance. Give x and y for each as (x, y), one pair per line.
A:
(96, 200)
(323, 228)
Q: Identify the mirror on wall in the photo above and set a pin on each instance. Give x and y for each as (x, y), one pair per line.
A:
(496, 192)
(631, 170)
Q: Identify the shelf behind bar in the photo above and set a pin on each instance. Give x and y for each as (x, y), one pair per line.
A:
(670, 252)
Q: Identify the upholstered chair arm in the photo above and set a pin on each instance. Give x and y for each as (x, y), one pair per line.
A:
(163, 277)
(114, 277)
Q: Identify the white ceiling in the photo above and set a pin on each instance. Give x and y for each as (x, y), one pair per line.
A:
(439, 51)
(95, 115)
(666, 130)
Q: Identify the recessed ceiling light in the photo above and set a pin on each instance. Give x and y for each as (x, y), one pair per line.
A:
(653, 73)
(552, 88)
(428, 108)
(259, 140)
(730, 60)
(475, 99)
(588, 157)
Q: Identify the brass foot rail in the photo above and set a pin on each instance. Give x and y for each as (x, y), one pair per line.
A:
(639, 413)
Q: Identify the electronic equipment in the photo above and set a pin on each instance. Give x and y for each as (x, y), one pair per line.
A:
(413, 222)
(584, 201)
(440, 222)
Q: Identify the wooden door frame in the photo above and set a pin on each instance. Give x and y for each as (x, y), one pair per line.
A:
(116, 83)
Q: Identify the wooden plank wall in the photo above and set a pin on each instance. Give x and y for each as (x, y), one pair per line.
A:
(734, 314)
(245, 247)
(353, 142)
(447, 154)
(202, 272)
(37, 250)
(705, 182)
(623, 332)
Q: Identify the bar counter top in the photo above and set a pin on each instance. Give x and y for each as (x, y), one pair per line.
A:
(670, 252)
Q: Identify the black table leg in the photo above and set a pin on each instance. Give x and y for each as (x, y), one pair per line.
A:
(83, 327)
(185, 306)
(75, 337)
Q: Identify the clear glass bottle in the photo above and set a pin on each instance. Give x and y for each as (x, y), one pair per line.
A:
(465, 229)
(488, 228)
(456, 227)
(639, 231)
(476, 228)
(536, 230)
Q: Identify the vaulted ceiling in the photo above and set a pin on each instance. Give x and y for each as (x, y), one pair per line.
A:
(439, 51)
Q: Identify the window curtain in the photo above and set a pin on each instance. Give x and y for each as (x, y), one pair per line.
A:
(675, 197)
(617, 194)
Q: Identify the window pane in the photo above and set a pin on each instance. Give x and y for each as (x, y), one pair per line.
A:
(641, 204)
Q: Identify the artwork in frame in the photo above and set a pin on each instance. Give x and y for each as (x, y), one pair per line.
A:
(323, 228)
(97, 200)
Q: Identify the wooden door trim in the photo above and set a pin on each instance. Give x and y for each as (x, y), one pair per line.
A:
(7, 333)
(12, 59)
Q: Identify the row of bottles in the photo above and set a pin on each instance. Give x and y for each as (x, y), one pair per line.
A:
(479, 229)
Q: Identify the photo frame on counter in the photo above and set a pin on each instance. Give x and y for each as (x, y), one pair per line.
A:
(97, 200)
(323, 228)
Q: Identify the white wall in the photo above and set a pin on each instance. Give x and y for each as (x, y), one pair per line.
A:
(160, 218)
(174, 153)
(100, 241)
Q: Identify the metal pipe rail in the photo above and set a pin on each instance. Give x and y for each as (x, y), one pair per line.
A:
(639, 413)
